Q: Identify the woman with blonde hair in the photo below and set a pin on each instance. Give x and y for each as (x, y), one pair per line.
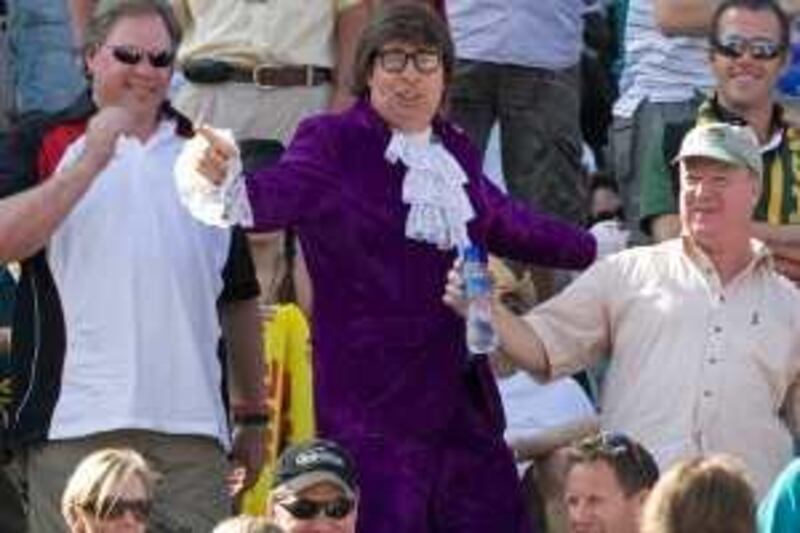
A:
(702, 495)
(110, 490)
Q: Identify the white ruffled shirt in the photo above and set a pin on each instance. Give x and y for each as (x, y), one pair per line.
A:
(434, 188)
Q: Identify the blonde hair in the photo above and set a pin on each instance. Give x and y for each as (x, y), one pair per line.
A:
(247, 524)
(708, 494)
(95, 478)
(517, 291)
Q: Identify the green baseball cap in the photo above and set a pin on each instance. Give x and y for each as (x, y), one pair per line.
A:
(729, 143)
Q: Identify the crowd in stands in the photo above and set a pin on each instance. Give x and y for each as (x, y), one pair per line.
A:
(232, 285)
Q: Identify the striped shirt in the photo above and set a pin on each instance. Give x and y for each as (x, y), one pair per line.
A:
(659, 68)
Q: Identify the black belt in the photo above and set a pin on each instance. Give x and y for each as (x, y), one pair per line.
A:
(211, 71)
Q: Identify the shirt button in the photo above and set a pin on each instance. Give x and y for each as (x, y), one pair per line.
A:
(707, 394)
(712, 360)
(717, 329)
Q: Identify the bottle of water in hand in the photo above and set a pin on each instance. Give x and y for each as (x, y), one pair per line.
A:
(481, 337)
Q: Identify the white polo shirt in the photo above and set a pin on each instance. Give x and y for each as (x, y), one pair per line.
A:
(138, 280)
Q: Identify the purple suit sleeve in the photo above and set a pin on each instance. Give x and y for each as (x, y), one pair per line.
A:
(299, 186)
(514, 230)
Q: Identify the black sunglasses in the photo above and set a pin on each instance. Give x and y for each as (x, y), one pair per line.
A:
(132, 55)
(307, 509)
(622, 449)
(115, 509)
(395, 60)
(734, 46)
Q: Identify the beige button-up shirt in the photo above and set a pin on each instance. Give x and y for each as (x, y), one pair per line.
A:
(695, 367)
(260, 32)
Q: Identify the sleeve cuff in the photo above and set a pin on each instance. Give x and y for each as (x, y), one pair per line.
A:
(223, 205)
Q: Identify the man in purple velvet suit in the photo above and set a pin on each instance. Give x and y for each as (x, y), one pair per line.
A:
(381, 197)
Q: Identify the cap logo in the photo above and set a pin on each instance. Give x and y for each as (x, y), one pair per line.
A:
(318, 456)
(716, 135)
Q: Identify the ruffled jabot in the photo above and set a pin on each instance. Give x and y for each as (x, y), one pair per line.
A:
(434, 188)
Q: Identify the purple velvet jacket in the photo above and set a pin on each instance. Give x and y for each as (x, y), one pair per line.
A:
(390, 358)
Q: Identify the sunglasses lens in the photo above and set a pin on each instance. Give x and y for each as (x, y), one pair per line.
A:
(161, 59)
(764, 49)
(308, 509)
(339, 508)
(140, 509)
(115, 512)
(730, 47)
(735, 47)
(117, 509)
(302, 509)
(129, 55)
(126, 55)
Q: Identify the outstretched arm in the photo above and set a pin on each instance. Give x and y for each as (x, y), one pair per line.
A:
(566, 333)
(515, 231)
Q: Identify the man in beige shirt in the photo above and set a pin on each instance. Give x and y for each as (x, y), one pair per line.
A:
(704, 334)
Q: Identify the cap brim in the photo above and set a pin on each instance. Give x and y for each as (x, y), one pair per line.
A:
(708, 153)
(309, 479)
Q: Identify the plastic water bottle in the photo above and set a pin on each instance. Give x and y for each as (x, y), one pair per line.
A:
(481, 336)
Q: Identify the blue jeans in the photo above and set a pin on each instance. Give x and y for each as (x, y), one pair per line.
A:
(45, 68)
(538, 111)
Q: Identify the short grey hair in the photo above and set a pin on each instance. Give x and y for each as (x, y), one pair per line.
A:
(108, 12)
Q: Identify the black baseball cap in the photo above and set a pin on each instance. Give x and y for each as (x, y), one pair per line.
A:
(308, 463)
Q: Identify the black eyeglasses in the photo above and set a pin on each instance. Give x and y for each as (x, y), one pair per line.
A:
(395, 60)
(734, 46)
(132, 55)
(307, 509)
(116, 509)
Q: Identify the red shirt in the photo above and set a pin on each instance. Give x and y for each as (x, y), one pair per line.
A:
(54, 144)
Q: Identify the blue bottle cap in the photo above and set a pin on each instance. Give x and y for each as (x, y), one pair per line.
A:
(473, 253)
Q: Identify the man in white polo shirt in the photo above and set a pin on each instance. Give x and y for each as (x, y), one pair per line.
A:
(124, 297)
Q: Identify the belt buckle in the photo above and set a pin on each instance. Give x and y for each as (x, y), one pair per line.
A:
(257, 82)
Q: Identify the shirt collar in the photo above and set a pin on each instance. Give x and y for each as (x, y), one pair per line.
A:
(761, 256)
(777, 123)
